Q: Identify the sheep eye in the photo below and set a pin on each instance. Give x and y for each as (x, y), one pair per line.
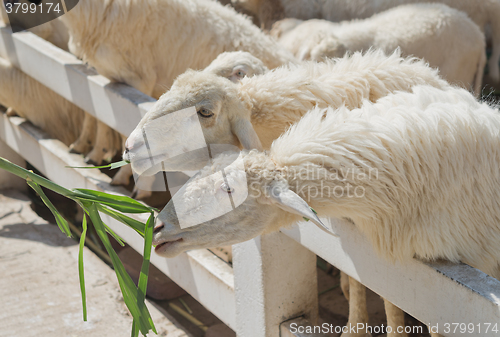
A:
(226, 188)
(205, 113)
(240, 74)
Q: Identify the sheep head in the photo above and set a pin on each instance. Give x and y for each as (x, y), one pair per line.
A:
(235, 65)
(236, 198)
(217, 116)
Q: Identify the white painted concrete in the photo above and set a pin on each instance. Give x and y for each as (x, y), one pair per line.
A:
(275, 280)
(437, 293)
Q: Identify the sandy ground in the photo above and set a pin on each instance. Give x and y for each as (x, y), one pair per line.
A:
(39, 287)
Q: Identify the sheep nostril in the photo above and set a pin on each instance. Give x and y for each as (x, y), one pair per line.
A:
(158, 227)
(129, 145)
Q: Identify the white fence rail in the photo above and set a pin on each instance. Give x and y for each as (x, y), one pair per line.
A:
(273, 279)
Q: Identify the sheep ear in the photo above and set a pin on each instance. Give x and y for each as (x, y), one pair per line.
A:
(246, 134)
(289, 201)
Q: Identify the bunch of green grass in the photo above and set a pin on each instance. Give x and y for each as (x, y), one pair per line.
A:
(93, 202)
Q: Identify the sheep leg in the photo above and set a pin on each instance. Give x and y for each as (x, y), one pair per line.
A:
(105, 145)
(344, 284)
(358, 314)
(395, 319)
(146, 188)
(493, 62)
(141, 194)
(86, 139)
(10, 112)
(122, 177)
(478, 79)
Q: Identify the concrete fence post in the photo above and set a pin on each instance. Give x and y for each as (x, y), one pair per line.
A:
(275, 280)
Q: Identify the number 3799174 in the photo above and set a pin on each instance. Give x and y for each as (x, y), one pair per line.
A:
(18, 7)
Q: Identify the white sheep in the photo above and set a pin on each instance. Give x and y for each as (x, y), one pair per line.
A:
(416, 172)
(231, 65)
(56, 32)
(38, 104)
(236, 65)
(267, 12)
(113, 37)
(442, 36)
(483, 12)
(256, 111)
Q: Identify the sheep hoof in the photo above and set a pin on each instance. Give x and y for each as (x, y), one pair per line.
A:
(10, 112)
(120, 179)
(95, 157)
(90, 161)
(140, 194)
(80, 147)
(75, 148)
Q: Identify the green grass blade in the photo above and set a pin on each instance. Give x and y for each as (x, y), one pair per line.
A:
(118, 164)
(114, 235)
(111, 166)
(25, 174)
(80, 267)
(61, 222)
(127, 286)
(135, 330)
(129, 290)
(118, 202)
(89, 167)
(132, 223)
(143, 277)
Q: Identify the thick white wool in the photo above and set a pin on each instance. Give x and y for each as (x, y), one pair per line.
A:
(443, 36)
(436, 156)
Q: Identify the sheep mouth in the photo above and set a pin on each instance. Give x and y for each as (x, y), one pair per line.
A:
(162, 247)
(148, 165)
